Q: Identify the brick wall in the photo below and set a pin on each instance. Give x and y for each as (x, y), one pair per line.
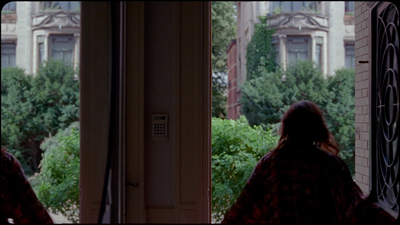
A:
(362, 39)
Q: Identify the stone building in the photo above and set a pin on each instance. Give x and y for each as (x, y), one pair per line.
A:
(32, 32)
(320, 31)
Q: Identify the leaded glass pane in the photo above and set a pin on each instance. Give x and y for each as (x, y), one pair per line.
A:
(62, 48)
(297, 49)
(385, 96)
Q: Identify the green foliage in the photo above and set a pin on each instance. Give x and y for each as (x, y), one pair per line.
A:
(266, 98)
(223, 27)
(340, 114)
(33, 108)
(260, 54)
(57, 185)
(236, 149)
(15, 110)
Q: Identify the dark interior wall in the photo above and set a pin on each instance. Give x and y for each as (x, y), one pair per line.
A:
(167, 70)
(95, 69)
(159, 71)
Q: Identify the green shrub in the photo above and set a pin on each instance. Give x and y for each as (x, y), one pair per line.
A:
(266, 98)
(57, 184)
(236, 149)
(16, 132)
(340, 113)
(223, 26)
(33, 108)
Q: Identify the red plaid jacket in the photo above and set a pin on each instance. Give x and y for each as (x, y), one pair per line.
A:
(303, 185)
(17, 199)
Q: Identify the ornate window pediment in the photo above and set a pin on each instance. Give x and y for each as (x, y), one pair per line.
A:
(298, 20)
(56, 20)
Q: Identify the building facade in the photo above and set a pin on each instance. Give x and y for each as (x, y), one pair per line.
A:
(319, 31)
(32, 32)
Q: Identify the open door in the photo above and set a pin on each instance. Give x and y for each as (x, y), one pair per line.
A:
(168, 73)
(385, 107)
(164, 68)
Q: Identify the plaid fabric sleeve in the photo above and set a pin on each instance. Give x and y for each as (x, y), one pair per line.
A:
(26, 206)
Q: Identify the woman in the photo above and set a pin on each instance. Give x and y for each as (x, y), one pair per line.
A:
(303, 180)
(17, 200)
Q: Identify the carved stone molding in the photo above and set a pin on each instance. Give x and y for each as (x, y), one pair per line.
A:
(298, 21)
(349, 29)
(8, 27)
(61, 19)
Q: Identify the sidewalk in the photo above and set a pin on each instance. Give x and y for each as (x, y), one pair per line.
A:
(58, 218)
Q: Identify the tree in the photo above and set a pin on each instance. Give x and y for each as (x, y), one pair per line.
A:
(57, 185)
(223, 27)
(267, 97)
(33, 108)
(236, 149)
(340, 113)
(15, 111)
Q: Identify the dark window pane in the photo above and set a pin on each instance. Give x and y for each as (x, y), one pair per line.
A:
(349, 6)
(275, 44)
(349, 56)
(286, 6)
(318, 55)
(11, 6)
(75, 6)
(64, 5)
(297, 49)
(8, 55)
(297, 6)
(41, 52)
(51, 5)
(310, 6)
(62, 47)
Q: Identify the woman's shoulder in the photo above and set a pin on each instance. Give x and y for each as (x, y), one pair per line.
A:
(7, 159)
(10, 166)
(304, 154)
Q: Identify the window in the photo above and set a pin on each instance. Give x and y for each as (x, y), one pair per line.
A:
(297, 48)
(318, 48)
(62, 47)
(9, 8)
(294, 6)
(63, 5)
(349, 8)
(275, 44)
(41, 56)
(318, 52)
(349, 56)
(385, 120)
(8, 55)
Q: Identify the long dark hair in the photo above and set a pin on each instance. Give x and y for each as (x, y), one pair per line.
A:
(3, 149)
(304, 124)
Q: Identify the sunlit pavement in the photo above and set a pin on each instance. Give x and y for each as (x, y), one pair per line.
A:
(58, 218)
